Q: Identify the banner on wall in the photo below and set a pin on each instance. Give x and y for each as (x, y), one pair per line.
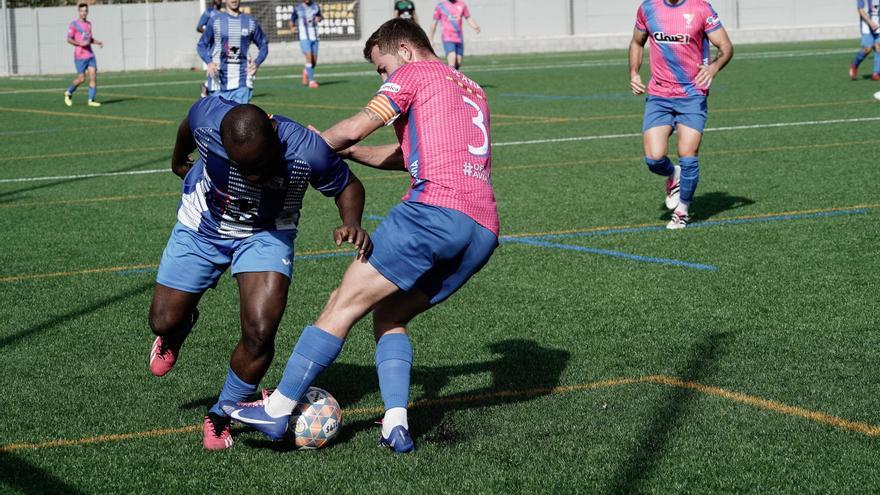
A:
(341, 19)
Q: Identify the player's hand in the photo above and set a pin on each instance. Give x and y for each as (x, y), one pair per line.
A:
(874, 25)
(252, 69)
(212, 69)
(477, 29)
(636, 84)
(313, 129)
(354, 235)
(706, 75)
(100, 44)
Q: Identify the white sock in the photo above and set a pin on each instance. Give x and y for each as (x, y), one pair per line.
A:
(396, 416)
(278, 405)
(682, 207)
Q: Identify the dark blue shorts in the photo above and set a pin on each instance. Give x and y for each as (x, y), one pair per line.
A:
(432, 249)
(451, 46)
(82, 64)
(194, 263)
(691, 111)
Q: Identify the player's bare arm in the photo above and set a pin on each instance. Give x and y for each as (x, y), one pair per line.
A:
(385, 157)
(183, 146)
(636, 55)
(352, 130)
(721, 41)
(350, 203)
(473, 24)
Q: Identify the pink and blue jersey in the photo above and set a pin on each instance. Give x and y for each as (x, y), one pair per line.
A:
(226, 42)
(679, 44)
(219, 203)
(81, 31)
(441, 118)
(451, 15)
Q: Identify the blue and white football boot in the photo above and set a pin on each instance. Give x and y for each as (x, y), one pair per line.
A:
(253, 414)
(399, 440)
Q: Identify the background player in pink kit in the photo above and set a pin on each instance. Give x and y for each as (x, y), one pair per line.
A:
(681, 73)
(427, 247)
(79, 34)
(450, 14)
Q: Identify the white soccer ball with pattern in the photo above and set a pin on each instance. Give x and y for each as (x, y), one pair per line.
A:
(315, 420)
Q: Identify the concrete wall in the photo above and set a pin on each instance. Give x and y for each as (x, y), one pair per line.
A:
(162, 35)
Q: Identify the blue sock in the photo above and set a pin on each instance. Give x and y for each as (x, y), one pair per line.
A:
(662, 166)
(314, 351)
(394, 357)
(876, 62)
(92, 92)
(235, 389)
(860, 55)
(71, 89)
(310, 71)
(690, 175)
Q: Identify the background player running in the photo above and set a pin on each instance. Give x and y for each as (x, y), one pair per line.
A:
(206, 18)
(240, 209)
(681, 73)
(427, 247)
(304, 20)
(451, 13)
(869, 23)
(79, 34)
(406, 9)
(224, 47)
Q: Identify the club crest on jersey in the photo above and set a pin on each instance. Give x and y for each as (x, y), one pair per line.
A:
(671, 39)
(688, 19)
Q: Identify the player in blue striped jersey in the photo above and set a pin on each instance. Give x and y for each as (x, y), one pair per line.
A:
(869, 24)
(304, 20)
(239, 209)
(224, 47)
(206, 18)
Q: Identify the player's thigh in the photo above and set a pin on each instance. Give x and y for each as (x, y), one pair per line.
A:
(263, 297)
(93, 73)
(394, 312)
(656, 141)
(688, 141)
(362, 287)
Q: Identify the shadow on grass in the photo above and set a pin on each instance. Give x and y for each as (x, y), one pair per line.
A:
(23, 477)
(668, 417)
(708, 205)
(55, 321)
(522, 371)
(62, 182)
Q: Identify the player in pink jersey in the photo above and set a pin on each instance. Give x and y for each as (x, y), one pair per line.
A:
(451, 13)
(681, 73)
(427, 247)
(79, 34)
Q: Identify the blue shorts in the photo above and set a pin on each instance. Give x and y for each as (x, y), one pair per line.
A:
(870, 39)
(691, 111)
(309, 46)
(82, 64)
(433, 249)
(451, 46)
(193, 262)
(239, 95)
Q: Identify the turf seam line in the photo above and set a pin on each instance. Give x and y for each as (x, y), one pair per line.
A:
(671, 381)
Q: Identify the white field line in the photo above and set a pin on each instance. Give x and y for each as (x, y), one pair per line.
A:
(485, 68)
(506, 143)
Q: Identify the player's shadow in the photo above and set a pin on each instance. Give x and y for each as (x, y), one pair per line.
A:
(522, 371)
(669, 416)
(4, 197)
(706, 206)
(56, 321)
(115, 100)
(23, 477)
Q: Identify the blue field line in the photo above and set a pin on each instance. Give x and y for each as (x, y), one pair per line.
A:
(616, 254)
(296, 258)
(696, 225)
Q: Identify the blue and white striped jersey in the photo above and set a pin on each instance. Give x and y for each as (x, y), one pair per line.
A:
(304, 17)
(872, 8)
(226, 41)
(218, 202)
(207, 16)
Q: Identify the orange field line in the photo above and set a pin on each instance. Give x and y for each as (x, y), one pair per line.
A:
(267, 103)
(84, 115)
(751, 400)
(91, 200)
(82, 153)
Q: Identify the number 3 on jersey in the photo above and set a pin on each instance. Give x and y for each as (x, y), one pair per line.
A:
(480, 122)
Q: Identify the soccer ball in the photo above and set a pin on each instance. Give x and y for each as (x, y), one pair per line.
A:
(315, 420)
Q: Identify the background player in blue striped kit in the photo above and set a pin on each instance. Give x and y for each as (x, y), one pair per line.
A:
(869, 25)
(239, 209)
(224, 47)
(304, 20)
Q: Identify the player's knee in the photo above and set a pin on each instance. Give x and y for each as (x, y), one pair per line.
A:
(258, 337)
(161, 323)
